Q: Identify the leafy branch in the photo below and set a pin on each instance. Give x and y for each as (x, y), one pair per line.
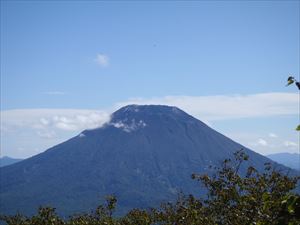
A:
(292, 80)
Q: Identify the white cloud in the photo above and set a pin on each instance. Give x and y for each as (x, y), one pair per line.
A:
(40, 129)
(102, 60)
(272, 135)
(44, 121)
(46, 134)
(223, 107)
(262, 142)
(63, 119)
(290, 144)
(33, 129)
(66, 126)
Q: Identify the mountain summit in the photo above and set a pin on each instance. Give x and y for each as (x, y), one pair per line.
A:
(144, 155)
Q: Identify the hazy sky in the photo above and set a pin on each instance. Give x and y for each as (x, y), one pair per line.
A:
(65, 66)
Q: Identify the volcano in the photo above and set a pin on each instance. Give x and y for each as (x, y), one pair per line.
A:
(144, 155)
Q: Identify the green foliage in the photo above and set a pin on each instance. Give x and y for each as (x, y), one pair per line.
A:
(290, 81)
(45, 216)
(253, 199)
(232, 199)
(102, 215)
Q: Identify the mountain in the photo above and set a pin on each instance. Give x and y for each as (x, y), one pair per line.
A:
(144, 155)
(5, 161)
(291, 160)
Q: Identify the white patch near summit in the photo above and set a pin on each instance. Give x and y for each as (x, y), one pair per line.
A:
(81, 135)
(129, 127)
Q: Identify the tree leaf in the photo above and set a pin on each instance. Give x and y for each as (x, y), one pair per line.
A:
(290, 82)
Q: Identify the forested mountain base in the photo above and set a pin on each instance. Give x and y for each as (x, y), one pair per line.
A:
(232, 199)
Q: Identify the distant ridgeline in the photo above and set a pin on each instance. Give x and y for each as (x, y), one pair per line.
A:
(288, 159)
(5, 161)
(145, 155)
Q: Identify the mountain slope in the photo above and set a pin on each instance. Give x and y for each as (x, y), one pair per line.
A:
(144, 155)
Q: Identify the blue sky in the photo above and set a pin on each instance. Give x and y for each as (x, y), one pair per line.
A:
(224, 62)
